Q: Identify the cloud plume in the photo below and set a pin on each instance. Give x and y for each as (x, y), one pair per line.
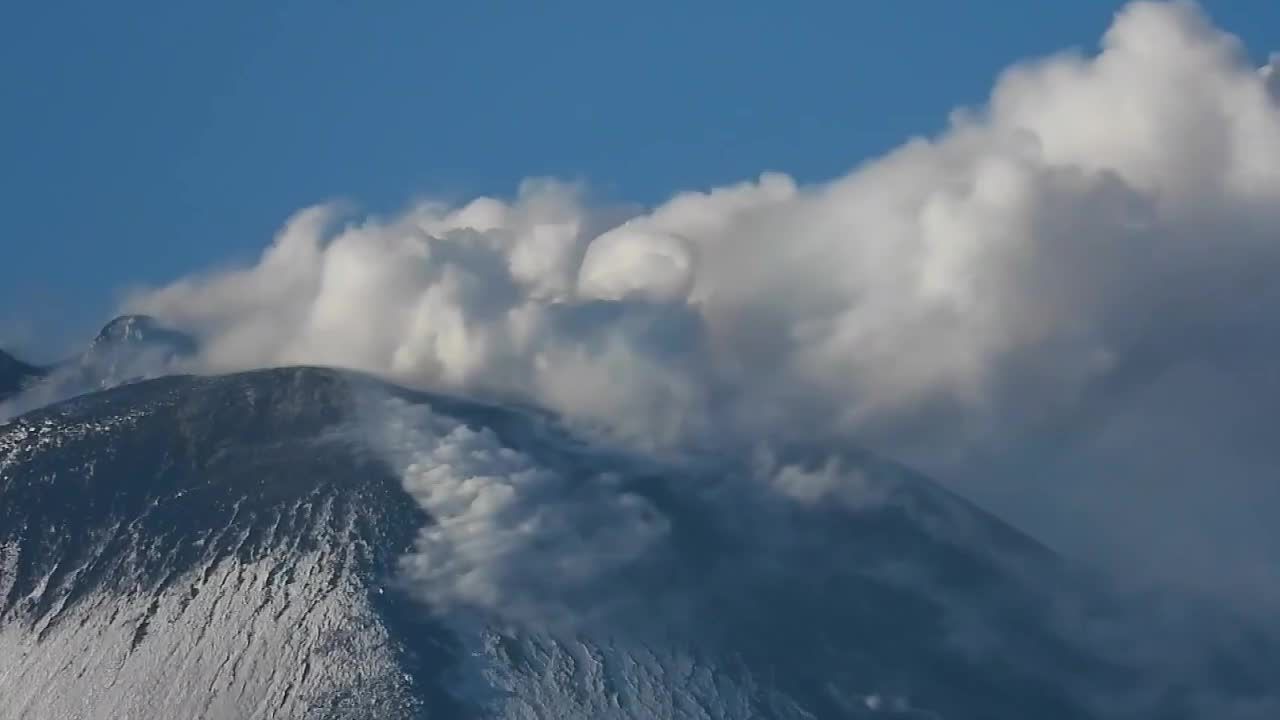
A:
(1063, 305)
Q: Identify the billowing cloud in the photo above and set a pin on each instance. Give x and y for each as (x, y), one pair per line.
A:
(631, 262)
(1063, 305)
(511, 536)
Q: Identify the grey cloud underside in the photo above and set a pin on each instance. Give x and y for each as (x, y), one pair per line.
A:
(244, 546)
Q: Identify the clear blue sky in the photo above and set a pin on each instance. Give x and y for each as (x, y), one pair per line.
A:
(140, 141)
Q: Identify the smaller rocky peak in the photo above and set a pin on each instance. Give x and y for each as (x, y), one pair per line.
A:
(131, 348)
(139, 331)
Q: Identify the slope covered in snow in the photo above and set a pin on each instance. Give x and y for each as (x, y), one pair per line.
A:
(301, 543)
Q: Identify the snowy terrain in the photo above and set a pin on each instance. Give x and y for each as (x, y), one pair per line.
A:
(311, 543)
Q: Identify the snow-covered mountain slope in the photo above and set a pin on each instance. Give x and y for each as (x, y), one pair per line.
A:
(300, 543)
(192, 548)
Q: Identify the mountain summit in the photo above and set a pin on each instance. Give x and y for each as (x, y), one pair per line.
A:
(127, 349)
(133, 346)
(142, 330)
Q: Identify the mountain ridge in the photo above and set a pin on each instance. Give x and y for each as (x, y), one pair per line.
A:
(120, 511)
(257, 530)
(127, 349)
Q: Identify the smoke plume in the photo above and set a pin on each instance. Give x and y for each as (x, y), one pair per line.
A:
(1062, 306)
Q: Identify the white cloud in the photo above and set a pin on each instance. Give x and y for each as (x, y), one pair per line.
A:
(510, 535)
(1058, 304)
(630, 261)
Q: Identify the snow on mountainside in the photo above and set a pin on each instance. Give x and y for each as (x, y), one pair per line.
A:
(300, 543)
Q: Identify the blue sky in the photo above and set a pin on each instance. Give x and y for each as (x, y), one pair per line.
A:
(140, 143)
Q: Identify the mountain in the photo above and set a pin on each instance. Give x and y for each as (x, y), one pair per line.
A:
(141, 330)
(132, 347)
(308, 543)
(127, 349)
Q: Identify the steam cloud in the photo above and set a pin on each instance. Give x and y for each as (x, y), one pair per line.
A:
(1063, 306)
(509, 535)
